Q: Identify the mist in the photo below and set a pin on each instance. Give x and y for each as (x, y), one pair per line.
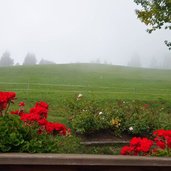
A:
(84, 31)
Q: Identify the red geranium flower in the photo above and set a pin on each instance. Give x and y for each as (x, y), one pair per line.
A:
(125, 150)
(21, 104)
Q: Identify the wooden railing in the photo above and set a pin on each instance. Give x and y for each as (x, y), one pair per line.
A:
(82, 162)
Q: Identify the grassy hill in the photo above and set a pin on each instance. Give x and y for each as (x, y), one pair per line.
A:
(58, 83)
(87, 77)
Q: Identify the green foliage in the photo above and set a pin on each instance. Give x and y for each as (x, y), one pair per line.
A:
(84, 123)
(156, 14)
(163, 153)
(122, 117)
(16, 137)
(89, 116)
(50, 144)
(12, 134)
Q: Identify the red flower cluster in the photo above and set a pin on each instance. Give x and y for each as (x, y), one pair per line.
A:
(21, 104)
(162, 138)
(38, 114)
(21, 109)
(138, 146)
(6, 98)
(144, 146)
(55, 128)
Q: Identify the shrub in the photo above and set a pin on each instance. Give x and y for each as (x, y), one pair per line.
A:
(31, 132)
(160, 145)
(13, 134)
(120, 117)
(46, 143)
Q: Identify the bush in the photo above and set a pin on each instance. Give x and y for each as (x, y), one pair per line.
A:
(50, 144)
(120, 117)
(13, 134)
(17, 137)
(159, 145)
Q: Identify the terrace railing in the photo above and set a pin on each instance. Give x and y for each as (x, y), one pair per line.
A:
(72, 162)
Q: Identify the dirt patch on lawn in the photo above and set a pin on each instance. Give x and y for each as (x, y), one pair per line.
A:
(104, 138)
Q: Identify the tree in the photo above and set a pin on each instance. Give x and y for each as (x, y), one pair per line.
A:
(135, 61)
(43, 62)
(30, 59)
(167, 62)
(17, 64)
(156, 14)
(6, 60)
(154, 63)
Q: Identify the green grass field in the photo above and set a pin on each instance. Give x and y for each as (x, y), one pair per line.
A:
(56, 84)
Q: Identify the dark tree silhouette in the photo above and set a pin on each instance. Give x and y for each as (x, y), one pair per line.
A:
(30, 59)
(6, 60)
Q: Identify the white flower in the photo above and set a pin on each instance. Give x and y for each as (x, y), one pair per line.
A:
(79, 95)
(131, 128)
(100, 113)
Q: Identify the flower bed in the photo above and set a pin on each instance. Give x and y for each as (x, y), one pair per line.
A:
(22, 131)
(134, 118)
(160, 145)
(32, 132)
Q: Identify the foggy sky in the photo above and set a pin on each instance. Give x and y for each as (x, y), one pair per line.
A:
(67, 31)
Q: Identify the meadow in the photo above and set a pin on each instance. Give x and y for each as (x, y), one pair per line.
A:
(115, 100)
(61, 83)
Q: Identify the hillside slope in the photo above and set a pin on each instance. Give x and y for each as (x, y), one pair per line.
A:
(96, 78)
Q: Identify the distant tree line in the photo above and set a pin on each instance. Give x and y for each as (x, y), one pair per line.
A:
(30, 59)
(163, 63)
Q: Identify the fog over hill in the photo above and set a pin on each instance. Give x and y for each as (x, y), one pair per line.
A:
(97, 31)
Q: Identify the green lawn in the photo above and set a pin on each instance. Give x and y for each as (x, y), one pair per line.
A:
(57, 84)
